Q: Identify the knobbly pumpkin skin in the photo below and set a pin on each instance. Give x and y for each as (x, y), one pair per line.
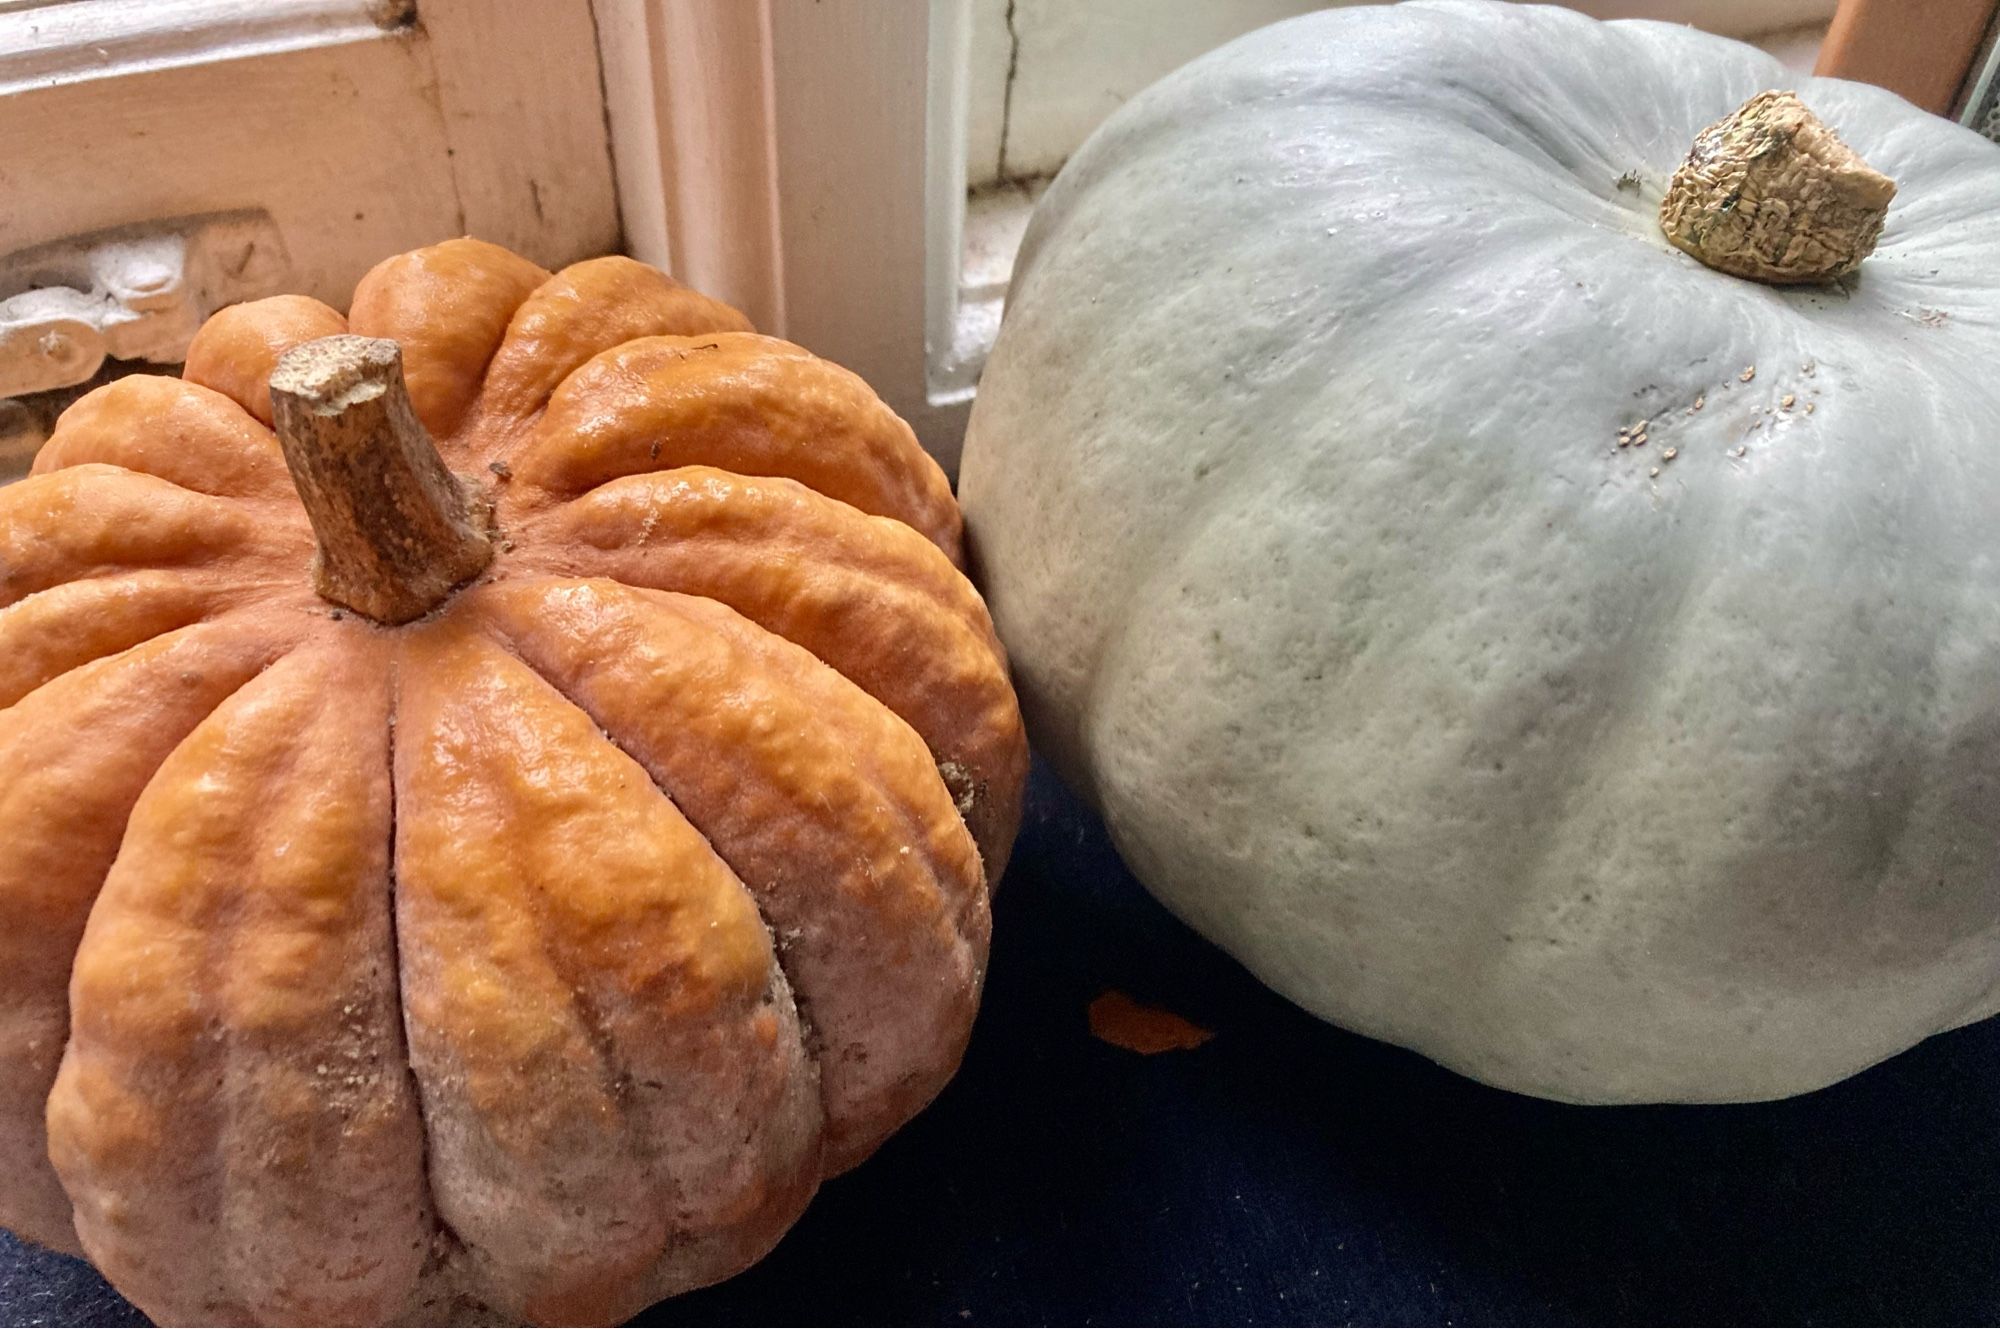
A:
(1295, 483)
(536, 958)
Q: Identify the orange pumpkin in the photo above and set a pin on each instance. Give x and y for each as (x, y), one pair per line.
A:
(509, 893)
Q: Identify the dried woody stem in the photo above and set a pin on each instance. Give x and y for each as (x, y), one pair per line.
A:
(395, 531)
(1772, 194)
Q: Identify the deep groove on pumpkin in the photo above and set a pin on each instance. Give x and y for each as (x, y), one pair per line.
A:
(809, 1035)
(967, 794)
(236, 1062)
(206, 614)
(816, 1044)
(54, 490)
(922, 484)
(444, 1241)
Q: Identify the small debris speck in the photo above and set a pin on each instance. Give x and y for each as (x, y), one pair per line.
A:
(1701, 401)
(1788, 401)
(1808, 367)
(1670, 454)
(1809, 408)
(501, 469)
(1655, 472)
(1742, 451)
(1749, 372)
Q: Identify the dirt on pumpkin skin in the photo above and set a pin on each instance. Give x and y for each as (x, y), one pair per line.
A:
(1122, 1022)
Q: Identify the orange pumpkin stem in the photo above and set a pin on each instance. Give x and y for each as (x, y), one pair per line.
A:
(396, 532)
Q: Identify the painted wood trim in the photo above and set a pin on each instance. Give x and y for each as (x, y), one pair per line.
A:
(337, 142)
(951, 370)
(777, 154)
(83, 40)
(521, 97)
(627, 54)
(1920, 49)
(688, 94)
(1979, 102)
(359, 127)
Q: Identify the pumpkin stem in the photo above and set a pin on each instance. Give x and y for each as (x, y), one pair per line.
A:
(395, 531)
(1770, 193)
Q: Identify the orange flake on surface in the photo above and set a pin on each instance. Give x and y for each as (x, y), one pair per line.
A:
(1122, 1022)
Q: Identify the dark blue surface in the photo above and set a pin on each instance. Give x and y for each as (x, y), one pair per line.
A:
(1290, 1172)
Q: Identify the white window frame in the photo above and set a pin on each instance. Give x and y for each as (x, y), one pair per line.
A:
(806, 162)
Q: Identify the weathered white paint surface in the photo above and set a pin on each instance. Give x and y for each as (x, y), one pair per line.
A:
(127, 295)
(362, 127)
